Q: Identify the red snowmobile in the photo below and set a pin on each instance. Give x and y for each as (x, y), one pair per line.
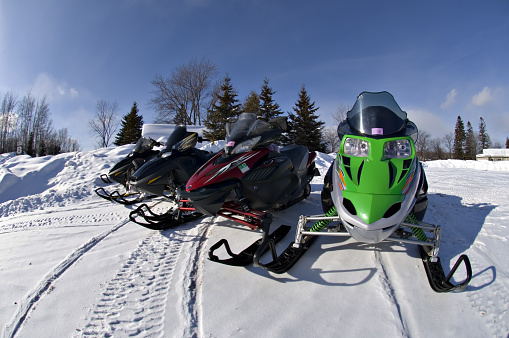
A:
(250, 177)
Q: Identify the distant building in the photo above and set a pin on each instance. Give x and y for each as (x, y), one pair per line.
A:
(493, 155)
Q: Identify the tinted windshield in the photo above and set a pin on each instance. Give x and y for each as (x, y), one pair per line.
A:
(142, 145)
(246, 126)
(376, 114)
(178, 134)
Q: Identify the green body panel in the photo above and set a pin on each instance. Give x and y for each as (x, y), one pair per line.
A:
(374, 183)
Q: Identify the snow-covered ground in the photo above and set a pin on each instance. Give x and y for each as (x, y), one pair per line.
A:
(72, 264)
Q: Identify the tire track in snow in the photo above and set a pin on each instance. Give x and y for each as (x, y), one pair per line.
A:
(33, 296)
(133, 302)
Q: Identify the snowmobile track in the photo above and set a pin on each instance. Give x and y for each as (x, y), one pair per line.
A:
(133, 303)
(34, 295)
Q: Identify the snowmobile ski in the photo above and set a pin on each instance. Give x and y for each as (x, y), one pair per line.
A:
(105, 178)
(125, 198)
(282, 263)
(436, 275)
(167, 220)
(245, 257)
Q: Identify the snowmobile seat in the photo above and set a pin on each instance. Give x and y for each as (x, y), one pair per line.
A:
(297, 154)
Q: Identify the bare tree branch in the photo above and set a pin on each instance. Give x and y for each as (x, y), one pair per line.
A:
(186, 94)
(105, 123)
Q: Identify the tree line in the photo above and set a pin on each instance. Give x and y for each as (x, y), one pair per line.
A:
(189, 95)
(462, 144)
(27, 123)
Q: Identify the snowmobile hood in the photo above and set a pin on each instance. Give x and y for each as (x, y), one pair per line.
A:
(376, 179)
(157, 167)
(220, 168)
(369, 207)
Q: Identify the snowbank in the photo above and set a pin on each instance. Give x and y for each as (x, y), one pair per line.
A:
(478, 165)
(73, 265)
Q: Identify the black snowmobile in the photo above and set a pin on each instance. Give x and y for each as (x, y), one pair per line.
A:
(162, 175)
(120, 172)
(250, 177)
(375, 190)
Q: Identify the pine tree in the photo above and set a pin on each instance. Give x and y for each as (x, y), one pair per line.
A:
(459, 140)
(507, 142)
(222, 110)
(470, 143)
(484, 138)
(268, 107)
(42, 148)
(305, 128)
(132, 124)
(30, 145)
(252, 103)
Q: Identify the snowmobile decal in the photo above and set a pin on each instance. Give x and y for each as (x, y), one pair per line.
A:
(236, 163)
(342, 184)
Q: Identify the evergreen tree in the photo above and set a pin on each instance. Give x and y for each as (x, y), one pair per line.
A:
(225, 107)
(305, 129)
(42, 148)
(484, 138)
(268, 107)
(130, 131)
(459, 140)
(470, 143)
(507, 142)
(252, 103)
(30, 145)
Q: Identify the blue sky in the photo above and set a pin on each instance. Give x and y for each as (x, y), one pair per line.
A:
(439, 59)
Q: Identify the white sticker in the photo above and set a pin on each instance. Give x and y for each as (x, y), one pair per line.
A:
(243, 167)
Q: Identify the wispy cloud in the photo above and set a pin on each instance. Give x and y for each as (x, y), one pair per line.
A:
(483, 97)
(429, 121)
(53, 89)
(449, 100)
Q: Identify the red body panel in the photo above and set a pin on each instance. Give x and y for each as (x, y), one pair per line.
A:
(237, 167)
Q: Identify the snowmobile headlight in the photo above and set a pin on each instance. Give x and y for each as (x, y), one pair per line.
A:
(398, 149)
(245, 145)
(356, 147)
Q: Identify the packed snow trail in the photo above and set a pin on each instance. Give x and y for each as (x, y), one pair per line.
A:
(47, 281)
(149, 283)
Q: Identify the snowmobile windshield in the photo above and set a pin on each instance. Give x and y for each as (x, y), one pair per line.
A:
(247, 133)
(177, 135)
(142, 145)
(377, 115)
